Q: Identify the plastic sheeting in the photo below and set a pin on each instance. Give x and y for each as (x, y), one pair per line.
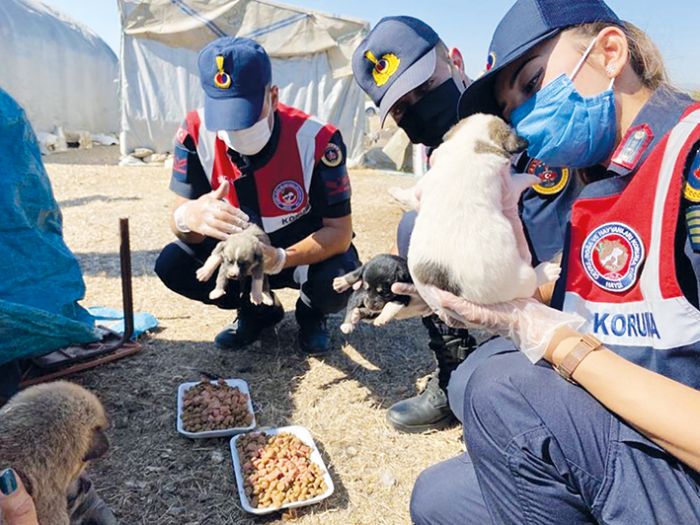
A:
(58, 70)
(41, 279)
(310, 52)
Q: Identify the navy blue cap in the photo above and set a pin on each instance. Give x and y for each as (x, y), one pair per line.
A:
(396, 57)
(525, 25)
(234, 73)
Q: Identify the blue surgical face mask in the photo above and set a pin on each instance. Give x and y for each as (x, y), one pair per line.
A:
(564, 128)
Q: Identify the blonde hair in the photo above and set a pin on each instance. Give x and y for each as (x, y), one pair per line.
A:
(645, 57)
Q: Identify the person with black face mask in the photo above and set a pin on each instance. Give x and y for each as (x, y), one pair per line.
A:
(411, 75)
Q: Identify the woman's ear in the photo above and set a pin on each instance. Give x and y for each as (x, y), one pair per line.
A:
(614, 50)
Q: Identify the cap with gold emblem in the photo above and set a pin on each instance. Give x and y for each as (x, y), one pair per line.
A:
(234, 73)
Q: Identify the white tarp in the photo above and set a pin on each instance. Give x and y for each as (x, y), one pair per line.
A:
(58, 70)
(310, 52)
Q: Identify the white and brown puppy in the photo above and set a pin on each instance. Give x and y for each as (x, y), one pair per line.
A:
(239, 257)
(462, 241)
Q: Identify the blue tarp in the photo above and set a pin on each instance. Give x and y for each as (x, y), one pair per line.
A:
(40, 279)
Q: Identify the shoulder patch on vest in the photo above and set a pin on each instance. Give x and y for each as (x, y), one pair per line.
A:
(332, 156)
(691, 191)
(633, 146)
(554, 180)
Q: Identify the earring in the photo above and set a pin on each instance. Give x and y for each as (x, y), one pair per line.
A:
(610, 70)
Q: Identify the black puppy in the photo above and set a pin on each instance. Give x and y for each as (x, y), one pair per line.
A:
(374, 300)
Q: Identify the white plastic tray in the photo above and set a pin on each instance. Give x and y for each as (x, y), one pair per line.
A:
(305, 436)
(240, 384)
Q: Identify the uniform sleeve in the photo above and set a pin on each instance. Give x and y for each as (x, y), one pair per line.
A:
(330, 185)
(688, 233)
(188, 179)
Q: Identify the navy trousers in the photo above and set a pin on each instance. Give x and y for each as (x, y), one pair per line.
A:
(178, 262)
(543, 451)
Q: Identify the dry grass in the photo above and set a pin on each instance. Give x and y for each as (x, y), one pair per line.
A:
(154, 476)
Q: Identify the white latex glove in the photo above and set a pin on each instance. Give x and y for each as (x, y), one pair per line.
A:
(527, 322)
(274, 259)
(416, 306)
(211, 215)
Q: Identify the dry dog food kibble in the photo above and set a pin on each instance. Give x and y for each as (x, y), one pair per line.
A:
(214, 406)
(278, 470)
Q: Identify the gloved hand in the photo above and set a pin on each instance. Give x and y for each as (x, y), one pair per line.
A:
(16, 505)
(274, 259)
(416, 306)
(211, 215)
(527, 322)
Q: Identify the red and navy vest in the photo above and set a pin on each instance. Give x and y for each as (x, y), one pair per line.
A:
(619, 269)
(281, 187)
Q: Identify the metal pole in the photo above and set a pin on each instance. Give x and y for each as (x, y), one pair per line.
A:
(127, 293)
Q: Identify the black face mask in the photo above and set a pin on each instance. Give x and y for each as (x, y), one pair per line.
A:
(427, 121)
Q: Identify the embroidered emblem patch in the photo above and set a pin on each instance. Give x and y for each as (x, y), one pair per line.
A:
(692, 185)
(633, 146)
(553, 180)
(332, 156)
(384, 68)
(612, 256)
(491, 61)
(288, 195)
(222, 80)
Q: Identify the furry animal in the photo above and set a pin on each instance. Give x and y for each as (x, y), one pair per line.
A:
(240, 256)
(48, 434)
(462, 241)
(374, 300)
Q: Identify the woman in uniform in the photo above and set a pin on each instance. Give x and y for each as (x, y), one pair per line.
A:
(586, 90)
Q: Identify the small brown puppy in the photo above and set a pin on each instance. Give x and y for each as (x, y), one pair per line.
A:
(240, 256)
(48, 434)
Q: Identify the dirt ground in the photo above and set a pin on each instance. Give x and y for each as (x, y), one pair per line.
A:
(153, 475)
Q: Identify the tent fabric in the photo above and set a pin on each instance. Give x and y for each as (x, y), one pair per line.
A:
(41, 279)
(58, 70)
(310, 52)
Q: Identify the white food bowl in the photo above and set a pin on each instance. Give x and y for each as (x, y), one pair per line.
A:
(238, 383)
(305, 436)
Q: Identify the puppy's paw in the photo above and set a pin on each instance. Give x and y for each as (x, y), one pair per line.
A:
(347, 328)
(380, 321)
(547, 272)
(256, 298)
(340, 284)
(216, 293)
(267, 299)
(202, 274)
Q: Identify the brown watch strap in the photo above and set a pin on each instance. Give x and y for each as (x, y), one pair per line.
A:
(585, 346)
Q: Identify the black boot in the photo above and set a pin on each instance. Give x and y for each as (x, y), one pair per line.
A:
(430, 409)
(250, 322)
(314, 338)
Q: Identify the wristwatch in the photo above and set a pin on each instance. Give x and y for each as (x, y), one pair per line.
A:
(584, 346)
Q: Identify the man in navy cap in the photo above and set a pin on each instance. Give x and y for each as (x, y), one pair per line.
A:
(410, 74)
(245, 157)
